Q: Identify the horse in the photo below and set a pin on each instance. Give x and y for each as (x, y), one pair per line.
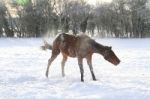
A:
(78, 46)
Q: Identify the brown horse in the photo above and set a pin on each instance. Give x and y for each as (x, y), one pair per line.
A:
(80, 46)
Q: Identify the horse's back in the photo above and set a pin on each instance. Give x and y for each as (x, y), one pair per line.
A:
(66, 44)
(84, 45)
(72, 45)
(85, 41)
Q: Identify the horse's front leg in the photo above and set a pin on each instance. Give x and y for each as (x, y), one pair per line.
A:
(63, 64)
(89, 62)
(80, 63)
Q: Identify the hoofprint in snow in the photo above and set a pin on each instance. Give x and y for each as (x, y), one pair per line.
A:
(23, 66)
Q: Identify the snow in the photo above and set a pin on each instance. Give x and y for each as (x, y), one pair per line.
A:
(23, 66)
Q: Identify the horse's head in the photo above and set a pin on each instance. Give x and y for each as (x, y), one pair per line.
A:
(110, 56)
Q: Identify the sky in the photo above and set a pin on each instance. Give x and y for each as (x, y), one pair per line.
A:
(93, 2)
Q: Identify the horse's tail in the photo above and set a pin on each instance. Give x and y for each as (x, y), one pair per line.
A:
(46, 46)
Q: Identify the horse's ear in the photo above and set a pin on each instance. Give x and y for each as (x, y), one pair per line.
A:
(110, 47)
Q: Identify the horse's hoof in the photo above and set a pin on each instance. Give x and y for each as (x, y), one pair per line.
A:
(63, 75)
(46, 75)
(94, 79)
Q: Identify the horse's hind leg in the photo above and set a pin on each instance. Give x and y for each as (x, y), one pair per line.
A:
(89, 62)
(55, 53)
(63, 64)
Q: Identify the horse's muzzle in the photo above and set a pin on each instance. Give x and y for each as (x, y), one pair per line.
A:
(117, 62)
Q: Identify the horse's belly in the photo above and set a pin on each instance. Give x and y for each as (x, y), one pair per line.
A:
(71, 53)
(68, 49)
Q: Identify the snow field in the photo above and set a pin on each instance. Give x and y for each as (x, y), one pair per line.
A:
(23, 66)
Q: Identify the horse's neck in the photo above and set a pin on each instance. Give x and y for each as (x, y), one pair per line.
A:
(98, 48)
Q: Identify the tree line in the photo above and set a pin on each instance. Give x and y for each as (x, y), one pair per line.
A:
(36, 18)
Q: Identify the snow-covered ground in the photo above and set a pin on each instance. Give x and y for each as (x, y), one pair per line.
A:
(23, 66)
